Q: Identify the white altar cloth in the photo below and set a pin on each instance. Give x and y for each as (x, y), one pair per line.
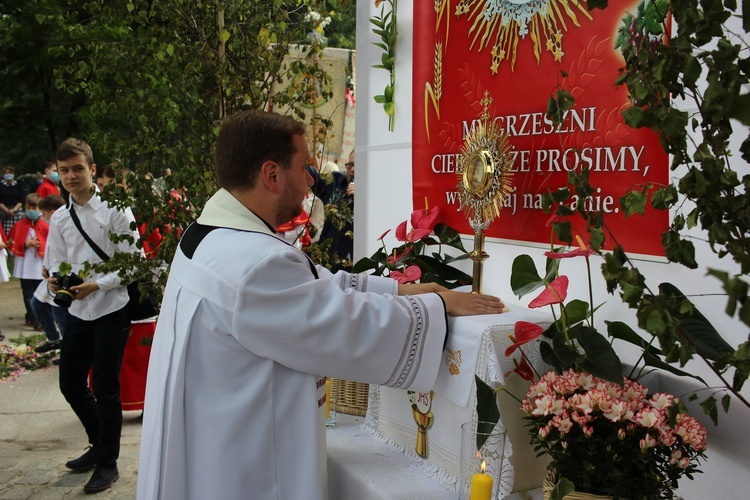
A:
(378, 460)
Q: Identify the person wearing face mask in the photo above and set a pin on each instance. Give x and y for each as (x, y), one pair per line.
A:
(29, 237)
(50, 182)
(11, 199)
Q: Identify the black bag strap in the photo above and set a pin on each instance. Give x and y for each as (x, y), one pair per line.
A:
(86, 237)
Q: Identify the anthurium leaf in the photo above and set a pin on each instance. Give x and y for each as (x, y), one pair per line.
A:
(701, 333)
(428, 263)
(576, 311)
(448, 236)
(656, 362)
(548, 356)
(621, 331)
(524, 277)
(567, 355)
(364, 264)
(487, 410)
(600, 359)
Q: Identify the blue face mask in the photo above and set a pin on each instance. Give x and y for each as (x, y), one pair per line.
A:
(54, 177)
(8, 177)
(33, 215)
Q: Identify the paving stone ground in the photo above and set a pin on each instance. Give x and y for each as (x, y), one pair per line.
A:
(39, 432)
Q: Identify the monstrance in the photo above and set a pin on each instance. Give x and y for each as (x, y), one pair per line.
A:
(484, 180)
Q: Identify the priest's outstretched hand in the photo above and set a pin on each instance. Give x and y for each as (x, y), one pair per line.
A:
(470, 304)
(457, 303)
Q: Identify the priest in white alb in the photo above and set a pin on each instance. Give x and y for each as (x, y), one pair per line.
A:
(248, 325)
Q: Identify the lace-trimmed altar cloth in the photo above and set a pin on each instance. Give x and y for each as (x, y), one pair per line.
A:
(378, 460)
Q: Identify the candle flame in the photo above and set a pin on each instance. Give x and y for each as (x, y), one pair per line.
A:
(484, 466)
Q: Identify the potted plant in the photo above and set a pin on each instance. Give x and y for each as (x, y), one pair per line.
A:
(410, 262)
(603, 431)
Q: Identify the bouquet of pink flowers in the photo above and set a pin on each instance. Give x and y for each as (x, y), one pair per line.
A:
(613, 440)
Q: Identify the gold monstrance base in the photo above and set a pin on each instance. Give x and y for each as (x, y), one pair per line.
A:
(478, 255)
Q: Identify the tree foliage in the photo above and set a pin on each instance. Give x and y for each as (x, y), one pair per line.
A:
(147, 83)
(35, 114)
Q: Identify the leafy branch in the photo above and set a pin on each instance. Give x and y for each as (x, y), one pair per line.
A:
(385, 27)
(655, 73)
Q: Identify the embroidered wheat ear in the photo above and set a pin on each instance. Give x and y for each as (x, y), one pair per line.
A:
(439, 5)
(438, 70)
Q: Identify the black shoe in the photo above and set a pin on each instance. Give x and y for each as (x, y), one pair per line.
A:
(48, 346)
(85, 462)
(102, 479)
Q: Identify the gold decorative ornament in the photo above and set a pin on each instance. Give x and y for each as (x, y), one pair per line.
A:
(484, 181)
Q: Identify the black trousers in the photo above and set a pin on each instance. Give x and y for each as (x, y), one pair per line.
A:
(96, 345)
(28, 287)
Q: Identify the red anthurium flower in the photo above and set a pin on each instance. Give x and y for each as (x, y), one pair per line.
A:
(415, 234)
(383, 235)
(523, 369)
(554, 293)
(401, 231)
(573, 253)
(523, 332)
(425, 219)
(410, 275)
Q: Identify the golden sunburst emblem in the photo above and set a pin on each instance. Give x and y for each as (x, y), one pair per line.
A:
(501, 24)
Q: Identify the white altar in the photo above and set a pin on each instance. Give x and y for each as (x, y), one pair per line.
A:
(381, 459)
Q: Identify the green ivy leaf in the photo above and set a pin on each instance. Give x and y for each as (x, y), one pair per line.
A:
(709, 408)
(565, 487)
(634, 203)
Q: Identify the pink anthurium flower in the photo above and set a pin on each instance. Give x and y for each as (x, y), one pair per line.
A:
(383, 235)
(567, 255)
(415, 234)
(523, 332)
(554, 293)
(523, 369)
(424, 218)
(410, 275)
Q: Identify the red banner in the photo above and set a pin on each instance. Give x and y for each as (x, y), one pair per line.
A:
(516, 50)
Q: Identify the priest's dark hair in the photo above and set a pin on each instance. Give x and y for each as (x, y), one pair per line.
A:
(249, 138)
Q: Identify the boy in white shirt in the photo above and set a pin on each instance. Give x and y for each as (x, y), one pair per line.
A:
(97, 324)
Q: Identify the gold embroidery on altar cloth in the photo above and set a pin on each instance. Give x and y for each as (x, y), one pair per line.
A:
(453, 361)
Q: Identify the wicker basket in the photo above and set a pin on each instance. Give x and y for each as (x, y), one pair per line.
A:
(349, 397)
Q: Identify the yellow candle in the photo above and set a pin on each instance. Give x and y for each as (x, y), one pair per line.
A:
(481, 486)
(328, 399)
